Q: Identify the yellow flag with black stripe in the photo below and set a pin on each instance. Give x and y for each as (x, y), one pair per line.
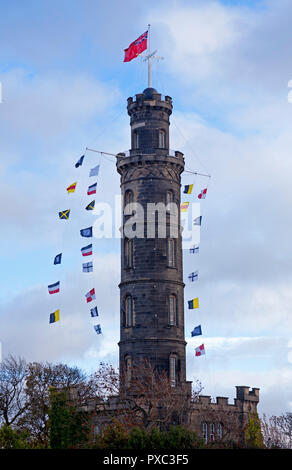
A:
(194, 303)
(64, 214)
(55, 316)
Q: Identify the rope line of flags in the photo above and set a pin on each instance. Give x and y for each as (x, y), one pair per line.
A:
(194, 276)
(85, 251)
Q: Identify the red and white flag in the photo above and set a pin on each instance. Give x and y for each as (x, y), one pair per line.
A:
(136, 47)
(90, 295)
(202, 194)
(54, 288)
(92, 189)
(87, 250)
(200, 350)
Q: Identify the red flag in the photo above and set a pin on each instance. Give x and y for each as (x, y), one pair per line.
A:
(202, 194)
(200, 350)
(136, 47)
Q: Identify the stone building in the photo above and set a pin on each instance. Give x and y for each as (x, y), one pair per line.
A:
(152, 288)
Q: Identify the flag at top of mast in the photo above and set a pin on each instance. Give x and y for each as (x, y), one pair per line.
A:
(136, 47)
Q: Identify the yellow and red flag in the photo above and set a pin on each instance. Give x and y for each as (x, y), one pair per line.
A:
(72, 187)
(184, 206)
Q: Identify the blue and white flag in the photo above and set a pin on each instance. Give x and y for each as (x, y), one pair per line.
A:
(198, 220)
(97, 329)
(197, 331)
(87, 267)
(94, 312)
(86, 232)
(80, 161)
(194, 249)
(94, 171)
(58, 259)
(194, 276)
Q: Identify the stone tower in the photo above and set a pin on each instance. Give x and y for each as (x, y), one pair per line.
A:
(152, 288)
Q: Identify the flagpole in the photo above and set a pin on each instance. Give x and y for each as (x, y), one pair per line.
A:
(149, 60)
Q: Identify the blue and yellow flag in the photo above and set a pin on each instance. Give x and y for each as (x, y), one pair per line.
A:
(188, 189)
(64, 214)
(194, 303)
(90, 206)
(55, 316)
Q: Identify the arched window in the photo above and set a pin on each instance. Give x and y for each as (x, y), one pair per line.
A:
(161, 139)
(205, 432)
(172, 310)
(136, 140)
(219, 430)
(171, 252)
(172, 370)
(128, 367)
(212, 432)
(128, 252)
(169, 197)
(129, 197)
(97, 430)
(129, 311)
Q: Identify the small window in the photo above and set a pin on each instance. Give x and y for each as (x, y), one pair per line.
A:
(136, 140)
(172, 370)
(128, 252)
(129, 197)
(161, 139)
(97, 430)
(129, 311)
(128, 365)
(212, 432)
(171, 252)
(205, 432)
(219, 431)
(172, 310)
(169, 197)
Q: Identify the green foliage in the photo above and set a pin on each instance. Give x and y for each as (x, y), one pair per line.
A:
(68, 426)
(12, 439)
(113, 436)
(116, 437)
(253, 432)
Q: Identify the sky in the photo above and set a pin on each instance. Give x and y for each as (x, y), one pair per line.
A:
(226, 65)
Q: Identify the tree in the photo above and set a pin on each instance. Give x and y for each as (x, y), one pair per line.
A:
(40, 377)
(12, 439)
(116, 436)
(69, 425)
(142, 398)
(277, 431)
(253, 433)
(13, 398)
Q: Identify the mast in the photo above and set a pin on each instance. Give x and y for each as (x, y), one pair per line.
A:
(149, 56)
(149, 60)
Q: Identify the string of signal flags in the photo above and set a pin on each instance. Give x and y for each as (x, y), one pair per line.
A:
(87, 267)
(88, 251)
(194, 276)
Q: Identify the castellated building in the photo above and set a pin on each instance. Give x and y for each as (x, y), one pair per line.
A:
(152, 287)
